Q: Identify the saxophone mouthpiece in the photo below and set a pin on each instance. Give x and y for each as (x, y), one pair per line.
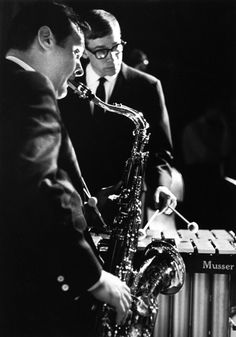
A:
(80, 89)
(72, 84)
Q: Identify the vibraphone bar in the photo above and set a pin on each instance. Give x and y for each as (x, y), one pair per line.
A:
(202, 307)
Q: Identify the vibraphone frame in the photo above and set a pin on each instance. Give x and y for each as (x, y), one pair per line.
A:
(202, 307)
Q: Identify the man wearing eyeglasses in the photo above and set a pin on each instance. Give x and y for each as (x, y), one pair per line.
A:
(103, 144)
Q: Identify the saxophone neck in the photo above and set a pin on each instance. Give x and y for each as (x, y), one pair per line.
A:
(135, 116)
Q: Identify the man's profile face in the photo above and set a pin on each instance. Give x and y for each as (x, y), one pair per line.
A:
(111, 64)
(67, 61)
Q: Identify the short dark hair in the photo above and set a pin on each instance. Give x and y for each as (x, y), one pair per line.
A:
(100, 22)
(31, 16)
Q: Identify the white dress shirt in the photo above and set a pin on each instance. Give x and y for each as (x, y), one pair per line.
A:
(92, 82)
(20, 62)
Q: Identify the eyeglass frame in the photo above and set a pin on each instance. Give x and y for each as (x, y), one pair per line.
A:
(107, 50)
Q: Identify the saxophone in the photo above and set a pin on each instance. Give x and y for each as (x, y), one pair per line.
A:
(161, 269)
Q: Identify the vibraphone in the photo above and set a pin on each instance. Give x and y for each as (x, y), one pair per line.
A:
(202, 307)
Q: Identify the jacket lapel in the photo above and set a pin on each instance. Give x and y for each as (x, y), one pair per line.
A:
(120, 88)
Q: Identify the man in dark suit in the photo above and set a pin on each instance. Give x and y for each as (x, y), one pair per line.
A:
(104, 144)
(46, 255)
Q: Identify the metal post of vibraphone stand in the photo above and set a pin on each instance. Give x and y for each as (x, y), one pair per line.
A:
(176, 306)
(220, 305)
(200, 305)
(201, 308)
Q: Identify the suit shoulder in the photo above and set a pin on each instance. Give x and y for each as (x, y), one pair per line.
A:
(135, 74)
(16, 79)
(33, 81)
(29, 89)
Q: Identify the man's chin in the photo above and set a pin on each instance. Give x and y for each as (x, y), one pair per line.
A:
(62, 93)
(112, 71)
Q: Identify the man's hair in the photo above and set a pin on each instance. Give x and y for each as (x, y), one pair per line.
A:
(101, 23)
(32, 16)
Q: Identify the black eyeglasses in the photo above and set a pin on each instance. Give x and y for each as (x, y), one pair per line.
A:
(102, 53)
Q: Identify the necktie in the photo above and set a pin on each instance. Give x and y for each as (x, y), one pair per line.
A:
(100, 93)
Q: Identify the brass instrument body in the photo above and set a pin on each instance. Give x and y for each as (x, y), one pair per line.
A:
(162, 269)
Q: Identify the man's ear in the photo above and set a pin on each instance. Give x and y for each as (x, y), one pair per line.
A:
(45, 37)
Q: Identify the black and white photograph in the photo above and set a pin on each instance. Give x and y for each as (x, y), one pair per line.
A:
(117, 168)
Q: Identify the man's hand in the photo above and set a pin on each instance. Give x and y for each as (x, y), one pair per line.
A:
(165, 198)
(107, 194)
(114, 292)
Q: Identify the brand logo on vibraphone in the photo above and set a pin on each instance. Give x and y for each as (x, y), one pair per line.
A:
(209, 265)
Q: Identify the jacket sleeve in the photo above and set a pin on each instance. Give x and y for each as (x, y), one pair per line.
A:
(47, 188)
(160, 146)
(144, 93)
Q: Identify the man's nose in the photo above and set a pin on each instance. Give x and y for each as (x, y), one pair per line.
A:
(112, 56)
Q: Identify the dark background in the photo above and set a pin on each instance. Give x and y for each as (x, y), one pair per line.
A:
(191, 47)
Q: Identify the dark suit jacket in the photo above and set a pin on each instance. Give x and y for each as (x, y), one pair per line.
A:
(103, 149)
(46, 262)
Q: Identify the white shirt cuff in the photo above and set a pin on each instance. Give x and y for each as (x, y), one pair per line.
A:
(97, 284)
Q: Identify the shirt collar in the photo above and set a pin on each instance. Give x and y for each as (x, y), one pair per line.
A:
(91, 76)
(20, 62)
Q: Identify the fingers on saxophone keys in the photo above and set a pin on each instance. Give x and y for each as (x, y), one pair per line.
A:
(124, 305)
(127, 301)
(122, 314)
